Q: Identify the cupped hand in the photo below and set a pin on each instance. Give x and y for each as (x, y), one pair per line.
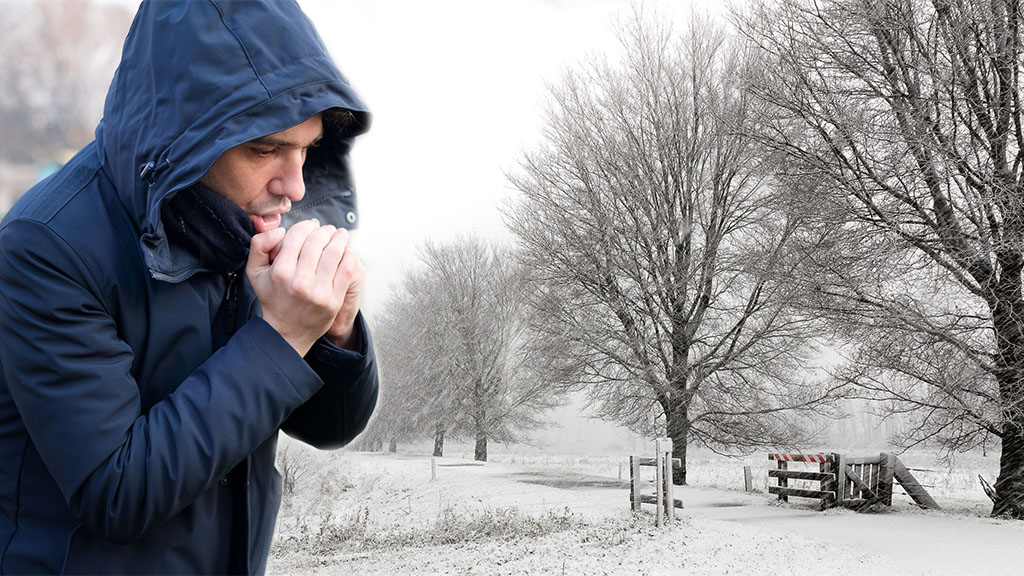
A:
(307, 281)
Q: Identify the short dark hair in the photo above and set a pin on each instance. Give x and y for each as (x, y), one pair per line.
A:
(339, 120)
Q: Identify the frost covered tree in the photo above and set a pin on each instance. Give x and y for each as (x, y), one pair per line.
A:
(454, 350)
(414, 400)
(903, 121)
(659, 246)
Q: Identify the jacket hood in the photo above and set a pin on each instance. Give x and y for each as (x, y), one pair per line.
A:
(197, 78)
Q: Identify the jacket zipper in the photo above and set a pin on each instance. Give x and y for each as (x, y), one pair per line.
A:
(231, 303)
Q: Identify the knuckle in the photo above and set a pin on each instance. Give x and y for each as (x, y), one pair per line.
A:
(334, 251)
(302, 288)
(351, 263)
(278, 275)
(324, 233)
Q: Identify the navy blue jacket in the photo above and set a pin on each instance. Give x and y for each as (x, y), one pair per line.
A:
(141, 394)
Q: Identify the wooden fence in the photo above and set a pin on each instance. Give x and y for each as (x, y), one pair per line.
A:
(855, 483)
(663, 499)
(825, 476)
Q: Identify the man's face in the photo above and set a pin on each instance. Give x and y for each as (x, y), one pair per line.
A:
(264, 176)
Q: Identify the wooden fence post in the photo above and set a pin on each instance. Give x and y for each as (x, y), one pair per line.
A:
(664, 446)
(826, 485)
(912, 487)
(658, 487)
(748, 479)
(886, 471)
(783, 482)
(634, 483)
(839, 462)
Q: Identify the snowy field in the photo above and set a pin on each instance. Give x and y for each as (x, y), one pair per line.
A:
(364, 513)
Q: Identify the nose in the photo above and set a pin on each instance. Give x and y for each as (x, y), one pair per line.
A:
(288, 181)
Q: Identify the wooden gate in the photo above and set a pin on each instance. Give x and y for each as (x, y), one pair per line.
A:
(826, 492)
(855, 483)
(868, 481)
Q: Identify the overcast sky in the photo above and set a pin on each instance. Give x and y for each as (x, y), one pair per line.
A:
(457, 90)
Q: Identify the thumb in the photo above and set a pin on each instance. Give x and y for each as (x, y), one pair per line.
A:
(262, 248)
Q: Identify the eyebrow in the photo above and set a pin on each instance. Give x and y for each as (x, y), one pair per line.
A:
(272, 141)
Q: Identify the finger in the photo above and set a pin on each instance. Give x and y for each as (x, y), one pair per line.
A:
(288, 256)
(350, 270)
(309, 257)
(331, 257)
(262, 248)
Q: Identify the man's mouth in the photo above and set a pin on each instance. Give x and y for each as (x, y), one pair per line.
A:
(265, 222)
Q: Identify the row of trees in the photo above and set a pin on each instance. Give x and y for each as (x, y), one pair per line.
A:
(454, 353)
(704, 215)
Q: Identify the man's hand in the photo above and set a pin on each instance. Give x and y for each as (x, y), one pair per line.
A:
(342, 330)
(308, 282)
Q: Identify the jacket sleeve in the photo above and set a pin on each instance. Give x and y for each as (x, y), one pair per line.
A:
(69, 373)
(341, 409)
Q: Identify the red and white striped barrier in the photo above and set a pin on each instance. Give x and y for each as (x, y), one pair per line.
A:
(820, 458)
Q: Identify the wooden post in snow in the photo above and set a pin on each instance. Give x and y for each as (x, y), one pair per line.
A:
(634, 483)
(664, 447)
(658, 487)
(748, 479)
(886, 472)
(839, 464)
(913, 487)
(783, 482)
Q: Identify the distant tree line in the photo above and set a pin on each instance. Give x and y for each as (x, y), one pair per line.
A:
(455, 354)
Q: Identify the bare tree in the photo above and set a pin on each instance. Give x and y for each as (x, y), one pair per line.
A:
(903, 120)
(480, 288)
(412, 341)
(453, 350)
(293, 465)
(660, 247)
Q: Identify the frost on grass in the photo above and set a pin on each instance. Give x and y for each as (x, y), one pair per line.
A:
(355, 532)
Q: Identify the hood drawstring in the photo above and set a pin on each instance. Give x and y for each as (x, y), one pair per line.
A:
(151, 169)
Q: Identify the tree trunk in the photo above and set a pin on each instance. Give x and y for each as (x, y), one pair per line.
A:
(1010, 484)
(1008, 321)
(480, 423)
(439, 441)
(393, 446)
(480, 453)
(678, 427)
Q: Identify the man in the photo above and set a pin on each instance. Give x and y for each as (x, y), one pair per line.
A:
(159, 324)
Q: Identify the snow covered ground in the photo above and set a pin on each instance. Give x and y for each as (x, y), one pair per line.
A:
(362, 513)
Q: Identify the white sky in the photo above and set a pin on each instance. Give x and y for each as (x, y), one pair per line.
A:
(456, 88)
